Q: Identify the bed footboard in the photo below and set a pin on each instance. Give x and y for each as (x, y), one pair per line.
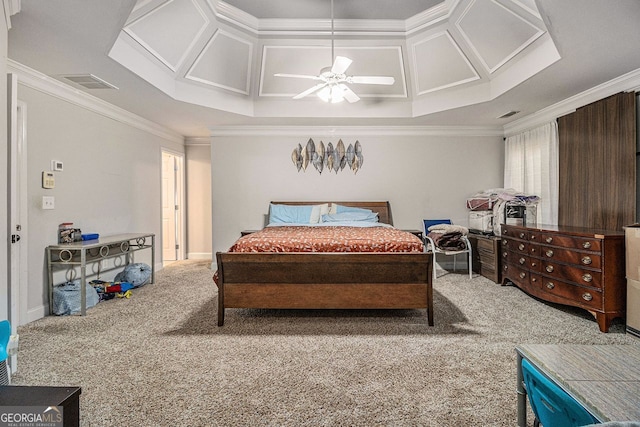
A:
(324, 281)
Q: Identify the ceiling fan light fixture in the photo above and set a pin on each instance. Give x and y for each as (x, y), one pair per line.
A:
(331, 93)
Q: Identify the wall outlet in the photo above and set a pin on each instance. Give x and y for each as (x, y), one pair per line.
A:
(48, 202)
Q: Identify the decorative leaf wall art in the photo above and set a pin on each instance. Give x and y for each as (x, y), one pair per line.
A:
(334, 159)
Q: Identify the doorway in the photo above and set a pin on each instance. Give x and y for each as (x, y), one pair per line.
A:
(172, 206)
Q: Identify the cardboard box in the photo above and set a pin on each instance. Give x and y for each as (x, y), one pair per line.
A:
(632, 249)
(481, 221)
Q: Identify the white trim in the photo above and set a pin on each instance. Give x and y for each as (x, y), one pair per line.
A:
(455, 45)
(197, 140)
(11, 7)
(539, 32)
(356, 131)
(274, 27)
(173, 67)
(216, 34)
(199, 255)
(629, 82)
(43, 83)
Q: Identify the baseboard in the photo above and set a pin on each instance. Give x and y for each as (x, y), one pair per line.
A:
(633, 331)
(199, 255)
(37, 313)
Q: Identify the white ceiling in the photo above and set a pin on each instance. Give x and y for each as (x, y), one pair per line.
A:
(456, 62)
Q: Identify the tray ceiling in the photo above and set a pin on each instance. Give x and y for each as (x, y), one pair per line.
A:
(224, 55)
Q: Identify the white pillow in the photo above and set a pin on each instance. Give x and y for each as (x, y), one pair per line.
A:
(317, 212)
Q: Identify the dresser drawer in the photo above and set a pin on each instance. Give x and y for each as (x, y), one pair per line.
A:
(571, 242)
(583, 259)
(584, 296)
(516, 274)
(485, 245)
(571, 273)
(519, 246)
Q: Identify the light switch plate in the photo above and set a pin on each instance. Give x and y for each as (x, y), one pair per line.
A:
(56, 165)
(48, 202)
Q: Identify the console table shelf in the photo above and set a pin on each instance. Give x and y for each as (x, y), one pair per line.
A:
(91, 251)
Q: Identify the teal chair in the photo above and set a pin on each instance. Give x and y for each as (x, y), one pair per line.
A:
(5, 334)
(552, 406)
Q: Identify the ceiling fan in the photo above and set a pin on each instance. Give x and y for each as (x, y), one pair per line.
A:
(332, 87)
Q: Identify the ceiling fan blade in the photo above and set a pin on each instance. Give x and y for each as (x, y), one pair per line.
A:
(310, 91)
(349, 95)
(298, 76)
(340, 64)
(372, 80)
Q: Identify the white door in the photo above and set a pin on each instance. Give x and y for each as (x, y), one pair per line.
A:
(172, 202)
(18, 212)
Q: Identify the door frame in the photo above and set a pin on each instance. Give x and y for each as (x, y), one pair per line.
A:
(18, 251)
(179, 197)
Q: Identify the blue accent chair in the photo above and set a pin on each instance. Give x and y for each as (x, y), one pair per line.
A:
(551, 405)
(5, 334)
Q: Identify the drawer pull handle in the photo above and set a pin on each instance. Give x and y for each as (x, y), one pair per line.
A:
(586, 245)
(523, 275)
(550, 285)
(522, 261)
(522, 235)
(549, 253)
(549, 239)
(587, 277)
(549, 268)
(521, 246)
(586, 260)
(505, 268)
(587, 296)
(505, 242)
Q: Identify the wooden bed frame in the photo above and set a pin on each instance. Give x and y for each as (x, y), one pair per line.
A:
(313, 280)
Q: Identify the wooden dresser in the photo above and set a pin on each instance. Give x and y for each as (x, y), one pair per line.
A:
(486, 255)
(576, 266)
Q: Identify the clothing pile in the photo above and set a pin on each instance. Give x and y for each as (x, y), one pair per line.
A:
(487, 208)
(448, 237)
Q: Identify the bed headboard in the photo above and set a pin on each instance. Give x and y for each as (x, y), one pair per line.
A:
(383, 209)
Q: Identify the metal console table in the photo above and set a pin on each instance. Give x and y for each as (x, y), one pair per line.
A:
(90, 251)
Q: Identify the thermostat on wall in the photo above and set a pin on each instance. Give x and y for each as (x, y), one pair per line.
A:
(56, 165)
(48, 179)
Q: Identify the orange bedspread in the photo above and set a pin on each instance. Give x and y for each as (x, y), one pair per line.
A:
(328, 239)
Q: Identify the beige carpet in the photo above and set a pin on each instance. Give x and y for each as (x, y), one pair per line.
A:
(158, 359)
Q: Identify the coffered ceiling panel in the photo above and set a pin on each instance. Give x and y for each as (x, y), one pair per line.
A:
(310, 60)
(170, 30)
(217, 54)
(439, 63)
(495, 33)
(225, 62)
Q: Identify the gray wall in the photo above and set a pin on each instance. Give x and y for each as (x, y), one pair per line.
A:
(4, 146)
(110, 184)
(423, 176)
(198, 177)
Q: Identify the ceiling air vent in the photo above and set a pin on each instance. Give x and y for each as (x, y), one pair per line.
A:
(89, 81)
(509, 114)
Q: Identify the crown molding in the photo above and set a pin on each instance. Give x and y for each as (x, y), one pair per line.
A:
(629, 82)
(197, 140)
(331, 131)
(368, 27)
(43, 83)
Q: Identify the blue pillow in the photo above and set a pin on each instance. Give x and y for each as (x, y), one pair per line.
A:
(351, 216)
(341, 209)
(289, 214)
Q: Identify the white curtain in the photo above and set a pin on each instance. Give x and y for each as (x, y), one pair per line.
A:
(531, 166)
